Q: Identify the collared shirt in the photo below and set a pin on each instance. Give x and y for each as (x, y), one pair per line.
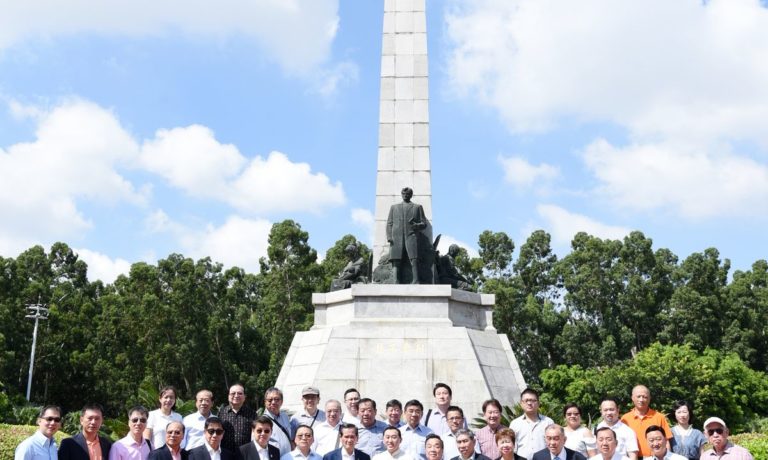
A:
(688, 442)
(157, 422)
(529, 436)
(626, 438)
(731, 452)
(326, 438)
(486, 439)
(128, 449)
(639, 423)
(669, 455)
(215, 454)
(370, 440)
(413, 440)
(303, 418)
(194, 430)
(94, 448)
(296, 454)
(560, 455)
(346, 456)
(262, 451)
(450, 449)
(349, 418)
(37, 447)
(436, 421)
(175, 455)
(279, 438)
(398, 455)
(237, 426)
(616, 456)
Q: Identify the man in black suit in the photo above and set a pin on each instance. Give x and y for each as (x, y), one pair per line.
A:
(87, 445)
(554, 436)
(465, 442)
(212, 450)
(174, 434)
(260, 448)
(348, 435)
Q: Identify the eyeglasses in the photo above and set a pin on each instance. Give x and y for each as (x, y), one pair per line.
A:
(270, 400)
(455, 419)
(305, 435)
(715, 430)
(52, 419)
(572, 414)
(216, 432)
(138, 420)
(260, 431)
(352, 399)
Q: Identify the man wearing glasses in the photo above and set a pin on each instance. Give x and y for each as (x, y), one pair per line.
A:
(259, 448)
(456, 422)
(236, 418)
(41, 445)
(281, 431)
(171, 450)
(722, 449)
(133, 446)
(212, 449)
(529, 428)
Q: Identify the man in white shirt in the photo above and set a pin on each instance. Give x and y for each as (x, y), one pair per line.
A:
(392, 440)
(352, 401)
(625, 436)
(455, 424)
(606, 445)
(529, 427)
(194, 423)
(327, 433)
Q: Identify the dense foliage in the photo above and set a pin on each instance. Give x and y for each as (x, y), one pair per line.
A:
(607, 315)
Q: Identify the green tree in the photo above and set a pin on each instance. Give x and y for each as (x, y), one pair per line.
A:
(290, 275)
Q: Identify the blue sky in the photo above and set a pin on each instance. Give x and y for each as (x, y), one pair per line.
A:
(134, 130)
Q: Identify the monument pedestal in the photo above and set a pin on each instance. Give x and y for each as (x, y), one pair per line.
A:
(397, 341)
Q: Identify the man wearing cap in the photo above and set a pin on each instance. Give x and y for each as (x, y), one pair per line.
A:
(642, 416)
(310, 415)
(722, 449)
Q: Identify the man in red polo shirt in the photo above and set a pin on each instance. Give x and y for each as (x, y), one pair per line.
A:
(642, 416)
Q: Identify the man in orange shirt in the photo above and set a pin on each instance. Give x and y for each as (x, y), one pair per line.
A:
(642, 416)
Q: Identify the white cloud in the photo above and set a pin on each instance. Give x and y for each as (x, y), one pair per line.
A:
(700, 73)
(296, 33)
(522, 174)
(679, 178)
(277, 184)
(364, 219)
(331, 79)
(192, 159)
(76, 153)
(563, 225)
(238, 242)
(102, 267)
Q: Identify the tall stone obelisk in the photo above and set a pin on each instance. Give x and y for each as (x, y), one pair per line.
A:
(398, 340)
(403, 157)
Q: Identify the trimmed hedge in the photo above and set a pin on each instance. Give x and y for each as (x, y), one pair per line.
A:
(12, 435)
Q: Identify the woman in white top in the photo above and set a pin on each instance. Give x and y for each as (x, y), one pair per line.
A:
(578, 437)
(160, 418)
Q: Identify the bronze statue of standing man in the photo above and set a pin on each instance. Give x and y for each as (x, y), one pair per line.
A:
(405, 225)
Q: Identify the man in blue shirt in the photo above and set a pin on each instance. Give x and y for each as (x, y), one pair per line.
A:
(41, 445)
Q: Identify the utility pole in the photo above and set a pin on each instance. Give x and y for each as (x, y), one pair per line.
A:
(36, 311)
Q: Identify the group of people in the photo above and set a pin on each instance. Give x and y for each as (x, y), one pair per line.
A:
(352, 431)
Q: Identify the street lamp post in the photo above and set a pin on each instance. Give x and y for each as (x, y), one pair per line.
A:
(37, 312)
